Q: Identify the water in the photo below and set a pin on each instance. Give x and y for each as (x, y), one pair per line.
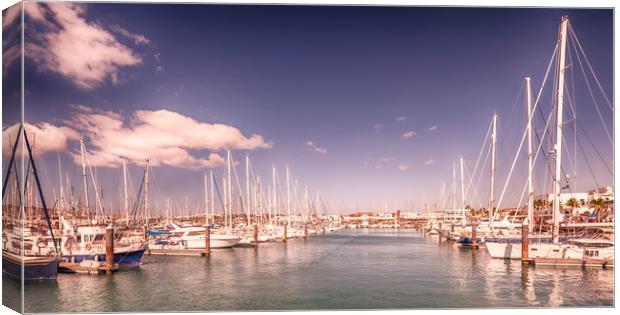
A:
(367, 269)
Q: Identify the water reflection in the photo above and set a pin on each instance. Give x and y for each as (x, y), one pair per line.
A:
(346, 270)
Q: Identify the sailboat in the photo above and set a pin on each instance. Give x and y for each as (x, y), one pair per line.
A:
(20, 257)
(553, 246)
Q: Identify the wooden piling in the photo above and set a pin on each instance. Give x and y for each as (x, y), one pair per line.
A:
(255, 235)
(109, 249)
(284, 236)
(306, 231)
(474, 235)
(525, 244)
(440, 232)
(207, 241)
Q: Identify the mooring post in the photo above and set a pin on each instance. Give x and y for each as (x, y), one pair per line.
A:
(207, 240)
(109, 249)
(146, 233)
(440, 232)
(306, 231)
(474, 235)
(525, 243)
(284, 236)
(255, 235)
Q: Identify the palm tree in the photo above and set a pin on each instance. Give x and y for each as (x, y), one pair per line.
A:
(573, 204)
(598, 204)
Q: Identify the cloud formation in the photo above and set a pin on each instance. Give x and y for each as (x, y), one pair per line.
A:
(311, 146)
(163, 136)
(408, 135)
(62, 41)
(401, 118)
(429, 162)
(433, 128)
(403, 167)
(44, 137)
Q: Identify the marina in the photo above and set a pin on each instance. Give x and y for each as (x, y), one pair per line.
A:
(172, 208)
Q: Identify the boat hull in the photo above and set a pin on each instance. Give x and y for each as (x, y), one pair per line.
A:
(125, 260)
(40, 268)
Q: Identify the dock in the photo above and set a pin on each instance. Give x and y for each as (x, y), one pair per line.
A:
(176, 252)
(570, 262)
(93, 269)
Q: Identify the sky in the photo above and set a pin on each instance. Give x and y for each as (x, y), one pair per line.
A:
(368, 105)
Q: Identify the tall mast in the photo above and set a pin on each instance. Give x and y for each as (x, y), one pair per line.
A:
(225, 201)
(146, 192)
(126, 203)
(306, 202)
(530, 185)
(492, 192)
(558, 136)
(84, 180)
(275, 196)
(288, 195)
(212, 195)
(462, 187)
(453, 186)
(318, 205)
(206, 200)
(247, 186)
(62, 190)
(229, 188)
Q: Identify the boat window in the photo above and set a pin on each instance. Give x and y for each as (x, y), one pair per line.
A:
(98, 237)
(78, 239)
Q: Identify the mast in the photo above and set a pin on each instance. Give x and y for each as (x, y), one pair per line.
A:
(84, 180)
(453, 186)
(492, 192)
(212, 195)
(462, 187)
(288, 195)
(318, 205)
(206, 201)
(225, 186)
(275, 196)
(229, 188)
(146, 192)
(62, 190)
(247, 186)
(306, 202)
(126, 204)
(558, 141)
(530, 186)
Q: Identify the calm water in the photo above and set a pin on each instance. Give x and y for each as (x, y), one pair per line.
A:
(367, 269)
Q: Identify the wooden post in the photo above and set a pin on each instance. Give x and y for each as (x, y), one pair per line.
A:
(207, 240)
(255, 235)
(525, 244)
(109, 249)
(440, 233)
(284, 236)
(306, 231)
(146, 233)
(474, 235)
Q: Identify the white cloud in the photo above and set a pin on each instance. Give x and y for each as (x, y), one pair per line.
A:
(429, 162)
(136, 38)
(408, 135)
(311, 146)
(163, 136)
(433, 128)
(401, 118)
(403, 167)
(65, 43)
(43, 137)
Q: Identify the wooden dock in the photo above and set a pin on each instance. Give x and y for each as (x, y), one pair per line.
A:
(176, 252)
(69, 267)
(603, 263)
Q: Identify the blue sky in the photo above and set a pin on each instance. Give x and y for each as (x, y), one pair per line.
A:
(351, 80)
